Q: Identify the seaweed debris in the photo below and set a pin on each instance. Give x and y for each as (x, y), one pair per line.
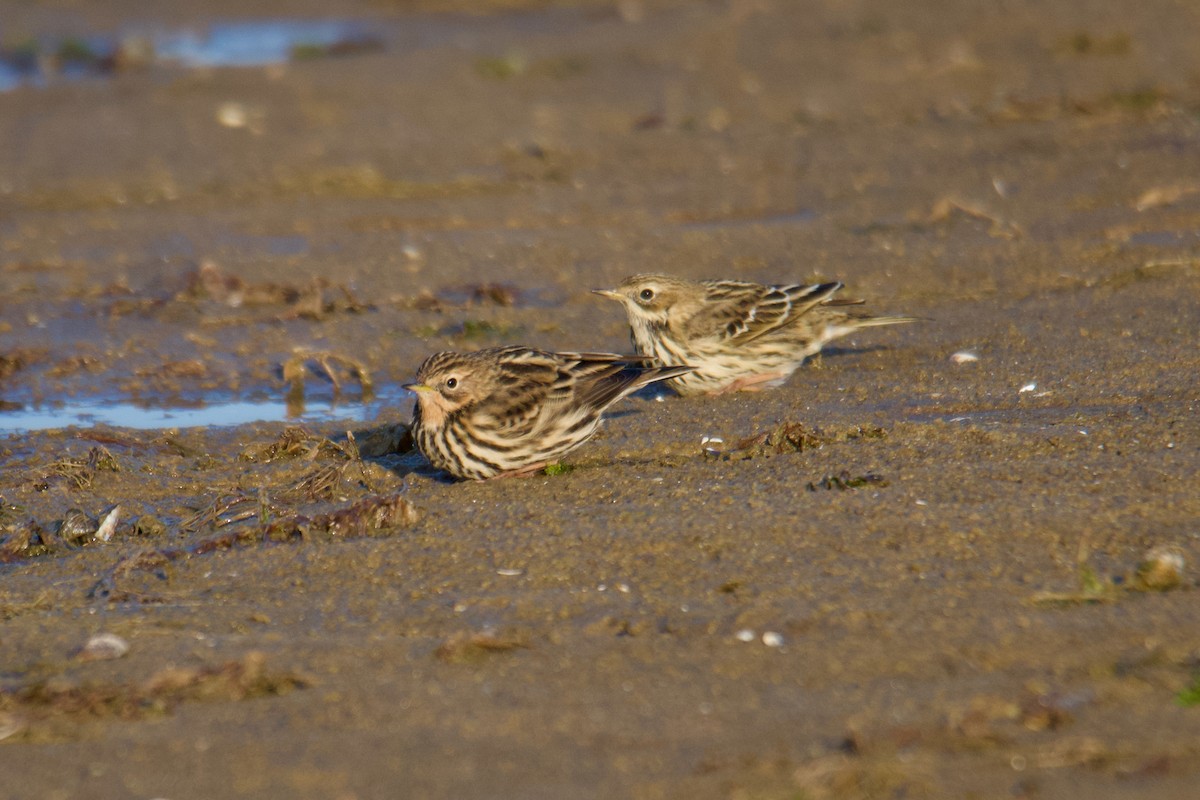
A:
(789, 437)
(844, 480)
(475, 647)
(54, 706)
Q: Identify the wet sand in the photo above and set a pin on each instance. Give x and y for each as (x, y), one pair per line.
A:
(933, 592)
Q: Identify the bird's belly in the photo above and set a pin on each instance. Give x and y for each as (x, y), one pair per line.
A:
(716, 372)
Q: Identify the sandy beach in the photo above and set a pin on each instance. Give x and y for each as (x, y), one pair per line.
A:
(949, 559)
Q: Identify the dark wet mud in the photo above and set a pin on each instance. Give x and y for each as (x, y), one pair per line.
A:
(950, 559)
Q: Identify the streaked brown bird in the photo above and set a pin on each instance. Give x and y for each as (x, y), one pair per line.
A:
(510, 411)
(738, 335)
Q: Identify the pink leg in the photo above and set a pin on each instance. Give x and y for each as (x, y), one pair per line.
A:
(754, 383)
(523, 472)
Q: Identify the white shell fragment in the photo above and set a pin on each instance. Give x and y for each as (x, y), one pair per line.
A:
(772, 639)
(10, 724)
(510, 573)
(1029, 387)
(744, 635)
(232, 115)
(239, 116)
(104, 647)
(964, 357)
(109, 524)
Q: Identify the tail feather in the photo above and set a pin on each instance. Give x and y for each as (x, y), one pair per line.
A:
(870, 322)
(666, 373)
(850, 324)
(620, 382)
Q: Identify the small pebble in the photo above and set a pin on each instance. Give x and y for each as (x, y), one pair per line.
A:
(149, 525)
(744, 635)
(509, 572)
(772, 639)
(1029, 387)
(76, 526)
(964, 357)
(104, 647)
(1161, 569)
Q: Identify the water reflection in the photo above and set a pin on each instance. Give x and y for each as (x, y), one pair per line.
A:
(211, 414)
(39, 61)
(248, 44)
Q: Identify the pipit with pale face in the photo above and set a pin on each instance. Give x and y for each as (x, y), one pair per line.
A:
(510, 411)
(738, 335)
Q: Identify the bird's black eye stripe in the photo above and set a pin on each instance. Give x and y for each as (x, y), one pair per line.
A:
(647, 294)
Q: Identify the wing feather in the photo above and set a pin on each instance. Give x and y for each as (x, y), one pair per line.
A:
(739, 312)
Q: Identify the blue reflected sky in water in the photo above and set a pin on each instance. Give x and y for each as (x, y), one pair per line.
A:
(223, 44)
(250, 44)
(213, 414)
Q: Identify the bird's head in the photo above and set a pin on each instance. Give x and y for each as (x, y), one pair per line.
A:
(655, 299)
(448, 382)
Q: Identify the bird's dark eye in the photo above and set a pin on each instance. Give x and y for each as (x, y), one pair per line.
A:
(451, 383)
(647, 294)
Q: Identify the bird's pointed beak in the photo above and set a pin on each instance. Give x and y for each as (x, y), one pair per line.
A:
(611, 294)
(416, 388)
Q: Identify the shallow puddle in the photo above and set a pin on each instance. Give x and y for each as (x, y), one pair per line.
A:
(227, 413)
(41, 61)
(246, 44)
